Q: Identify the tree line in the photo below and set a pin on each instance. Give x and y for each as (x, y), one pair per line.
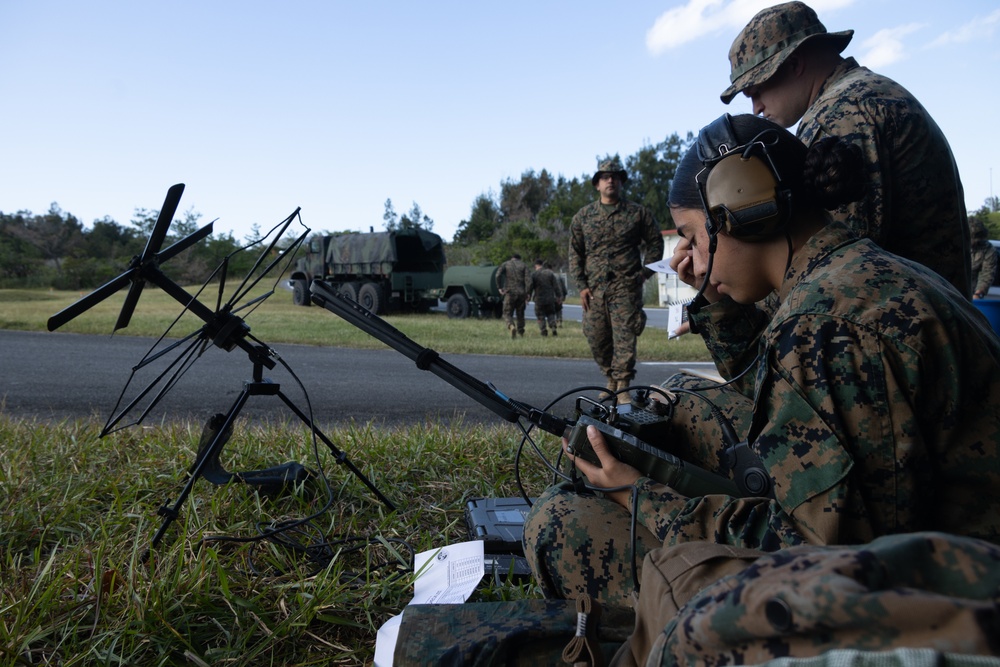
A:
(530, 216)
(55, 250)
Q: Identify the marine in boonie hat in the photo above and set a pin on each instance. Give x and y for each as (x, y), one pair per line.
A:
(609, 167)
(767, 41)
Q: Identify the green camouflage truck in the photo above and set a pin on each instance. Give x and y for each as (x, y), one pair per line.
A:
(471, 291)
(383, 271)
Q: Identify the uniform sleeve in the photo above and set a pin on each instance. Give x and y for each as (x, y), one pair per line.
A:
(577, 254)
(731, 332)
(820, 403)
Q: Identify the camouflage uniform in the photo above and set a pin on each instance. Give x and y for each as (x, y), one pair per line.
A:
(515, 277)
(607, 251)
(984, 258)
(547, 293)
(875, 408)
(915, 205)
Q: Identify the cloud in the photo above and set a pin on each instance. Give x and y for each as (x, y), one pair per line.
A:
(973, 30)
(886, 46)
(697, 18)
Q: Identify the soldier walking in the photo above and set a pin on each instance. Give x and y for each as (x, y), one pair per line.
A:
(547, 293)
(514, 281)
(610, 242)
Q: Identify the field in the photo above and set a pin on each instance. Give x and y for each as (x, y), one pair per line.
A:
(80, 512)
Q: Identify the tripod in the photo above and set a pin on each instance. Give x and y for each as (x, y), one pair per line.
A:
(216, 435)
(223, 329)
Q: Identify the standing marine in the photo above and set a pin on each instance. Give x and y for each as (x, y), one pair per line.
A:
(611, 241)
(790, 67)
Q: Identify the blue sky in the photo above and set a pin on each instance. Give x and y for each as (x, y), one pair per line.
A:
(334, 107)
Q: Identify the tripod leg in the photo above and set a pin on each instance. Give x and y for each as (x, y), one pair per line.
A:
(339, 456)
(206, 455)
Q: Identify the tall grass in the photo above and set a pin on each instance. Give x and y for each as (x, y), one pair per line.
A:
(80, 511)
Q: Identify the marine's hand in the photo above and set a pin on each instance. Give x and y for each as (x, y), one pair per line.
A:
(611, 473)
(585, 299)
(683, 263)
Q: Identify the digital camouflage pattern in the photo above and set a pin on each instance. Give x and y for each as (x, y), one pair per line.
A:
(876, 410)
(505, 634)
(580, 544)
(875, 407)
(547, 293)
(769, 38)
(608, 249)
(984, 257)
(514, 277)
(928, 590)
(915, 203)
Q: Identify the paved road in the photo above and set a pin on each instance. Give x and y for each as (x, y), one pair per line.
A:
(66, 376)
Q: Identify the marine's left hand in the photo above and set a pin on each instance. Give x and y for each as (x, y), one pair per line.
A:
(611, 473)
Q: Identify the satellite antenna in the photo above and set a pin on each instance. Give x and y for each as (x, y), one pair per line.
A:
(222, 328)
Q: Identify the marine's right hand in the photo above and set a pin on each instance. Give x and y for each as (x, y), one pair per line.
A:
(683, 263)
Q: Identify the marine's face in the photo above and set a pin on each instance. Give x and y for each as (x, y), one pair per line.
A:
(609, 185)
(784, 98)
(739, 269)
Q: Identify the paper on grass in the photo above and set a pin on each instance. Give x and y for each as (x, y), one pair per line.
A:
(448, 575)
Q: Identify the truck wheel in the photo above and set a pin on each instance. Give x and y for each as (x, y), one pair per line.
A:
(458, 306)
(349, 291)
(370, 296)
(300, 295)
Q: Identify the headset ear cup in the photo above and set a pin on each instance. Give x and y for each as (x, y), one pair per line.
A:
(749, 195)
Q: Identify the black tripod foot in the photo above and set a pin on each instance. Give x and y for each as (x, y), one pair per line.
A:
(268, 480)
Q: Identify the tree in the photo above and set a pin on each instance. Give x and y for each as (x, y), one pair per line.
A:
(53, 235)
(18, 258)
(109, 240)
(416, 219)
(483, 222)
(650, 172)
(522, 200)
(389, 218)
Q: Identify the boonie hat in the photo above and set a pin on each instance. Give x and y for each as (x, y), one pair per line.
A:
(767, 41)
(609, 167)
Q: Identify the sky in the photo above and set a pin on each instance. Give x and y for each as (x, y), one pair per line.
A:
(331, 108)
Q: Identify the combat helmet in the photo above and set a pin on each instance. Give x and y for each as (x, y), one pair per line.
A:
(767, 41)
(612, 166)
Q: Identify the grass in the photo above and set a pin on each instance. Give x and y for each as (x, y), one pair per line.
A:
(277, 320)
(80, 511)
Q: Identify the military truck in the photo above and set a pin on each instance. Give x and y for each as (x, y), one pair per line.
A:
(471, 291)
(383, 271)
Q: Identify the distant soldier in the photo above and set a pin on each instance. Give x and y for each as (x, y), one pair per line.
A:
(562, 300)
(514, 281)
(610, 242)
(984, 259)
(548, 295)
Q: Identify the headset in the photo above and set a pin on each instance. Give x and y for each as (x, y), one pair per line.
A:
(743, 193)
